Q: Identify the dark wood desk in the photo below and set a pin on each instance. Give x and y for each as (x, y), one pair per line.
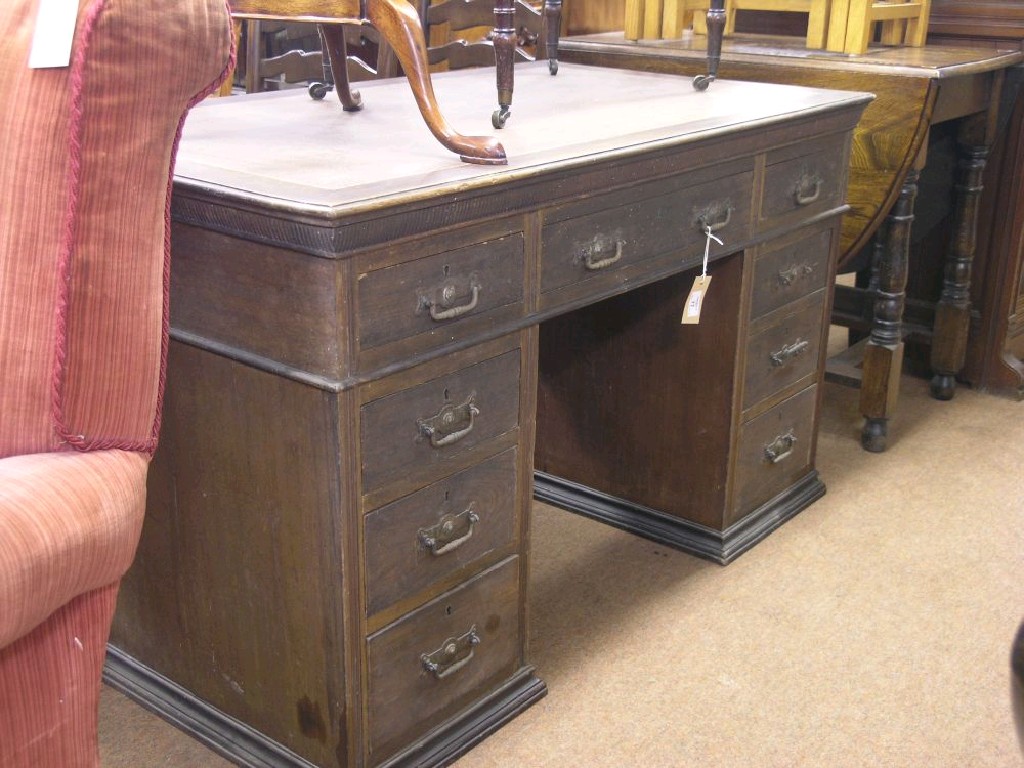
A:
(334, 561)
(916, 89)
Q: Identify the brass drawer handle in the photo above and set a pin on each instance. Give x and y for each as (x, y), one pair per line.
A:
(787, 353)
(444, 536)
(779, 448)
(451, 424)
(444, 307)
(714, 217)
(453, 655)
(786, 277)
(808, 189)
(592, 263)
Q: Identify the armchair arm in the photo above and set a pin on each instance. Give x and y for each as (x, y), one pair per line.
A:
(69, 523)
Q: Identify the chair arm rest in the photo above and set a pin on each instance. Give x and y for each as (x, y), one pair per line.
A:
(69, 523)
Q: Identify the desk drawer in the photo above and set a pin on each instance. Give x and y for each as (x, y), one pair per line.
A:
(440, 658)
(783, 348)
(439, 297)
(804, 179)
(616, 231)
(791, 271)
(420, 429)
(423, 538)
(774, 452)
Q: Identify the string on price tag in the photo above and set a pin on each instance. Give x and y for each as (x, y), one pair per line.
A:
(695, 299)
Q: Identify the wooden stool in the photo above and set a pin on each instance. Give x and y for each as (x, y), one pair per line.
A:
(676, 16)
(817, 19)
(904, 22)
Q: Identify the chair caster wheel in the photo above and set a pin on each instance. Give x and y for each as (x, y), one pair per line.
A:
(500, 117)
(701, 82)
(317, 91)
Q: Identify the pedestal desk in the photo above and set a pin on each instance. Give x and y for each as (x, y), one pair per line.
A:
(335, 555)
(917, 89)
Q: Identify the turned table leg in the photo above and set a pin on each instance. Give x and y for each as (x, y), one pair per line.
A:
(883, 354)
(399, 24)
(953, 312)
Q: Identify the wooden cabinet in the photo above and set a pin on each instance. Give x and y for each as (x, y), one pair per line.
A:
(334, 565)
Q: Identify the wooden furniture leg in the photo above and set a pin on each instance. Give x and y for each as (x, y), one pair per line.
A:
(953, 312)
(504, 40)
(883, 354)
(716, 30)
(552, 29)
(399, 24)
(333, 38)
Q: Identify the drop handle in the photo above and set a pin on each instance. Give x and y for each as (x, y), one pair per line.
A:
(714, 218)
(780, 448)
(782, 356)
(808, 189)
(450, 424)
(453, 654)
(442, 305)
(449, 533)
(786, 277)
(593, 260)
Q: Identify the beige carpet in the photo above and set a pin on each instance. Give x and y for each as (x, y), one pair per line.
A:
(871, 630)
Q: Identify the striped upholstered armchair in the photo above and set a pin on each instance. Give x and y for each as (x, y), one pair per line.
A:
(86, 152)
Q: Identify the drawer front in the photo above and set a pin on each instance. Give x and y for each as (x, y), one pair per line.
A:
(774, 452)
(791, 271)
(422, 428)
(804, 179)
(438, 296)
(783, 349)
(448, 526)
(440, 658)
(650, 221)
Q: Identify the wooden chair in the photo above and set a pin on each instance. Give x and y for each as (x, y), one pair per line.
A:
(852, 25)
(680, 14)
(462, 33)
(676, 16)
(399, 25)
(817, 15)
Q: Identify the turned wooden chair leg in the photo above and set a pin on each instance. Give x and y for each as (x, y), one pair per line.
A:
(552, 29)
(399, 24)
(504, 40)
(716, 30)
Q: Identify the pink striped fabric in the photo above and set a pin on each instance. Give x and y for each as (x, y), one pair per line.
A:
(85, 160)
(69, 523)
(86, 154)
(49, 687)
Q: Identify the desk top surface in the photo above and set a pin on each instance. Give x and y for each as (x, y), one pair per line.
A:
(930, 61)
(286, 150)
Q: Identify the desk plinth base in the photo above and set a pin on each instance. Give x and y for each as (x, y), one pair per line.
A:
(246, 747)
(718, 546)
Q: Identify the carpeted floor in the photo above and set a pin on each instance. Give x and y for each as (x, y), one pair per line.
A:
(871, 630)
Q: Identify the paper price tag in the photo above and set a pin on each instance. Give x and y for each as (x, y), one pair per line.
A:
(695, 300)
(54, 32)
